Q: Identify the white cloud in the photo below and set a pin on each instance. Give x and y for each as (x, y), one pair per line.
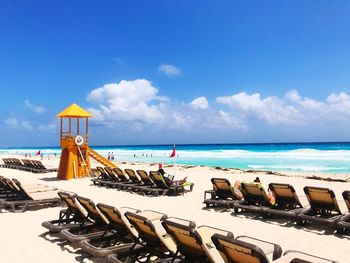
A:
(270, 109)
(200, 102)
(34, 108)
(13, 123)
(26, 125)
(169, 70)
(292, 109)
(136, 103)
(127, 100)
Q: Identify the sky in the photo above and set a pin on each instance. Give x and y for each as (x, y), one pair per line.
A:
(165, 72)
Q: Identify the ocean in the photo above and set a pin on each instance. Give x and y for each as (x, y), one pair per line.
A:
(297, 157)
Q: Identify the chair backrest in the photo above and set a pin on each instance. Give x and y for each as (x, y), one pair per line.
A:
(18, 187)
(92, 210)
(233, 250)
(158, 179)
(254, 194)
(111, 173)
(16, 161)
(39, 164)
(322, 199)
(115, 218)
(28, 163)
(346, 196)
(120, 174)
(223, 188)
(70, 200)
(10, 185)
(132, 175)
(144, 177)
(188, 241)
(285, 195)
(145, 229)
(103, 173)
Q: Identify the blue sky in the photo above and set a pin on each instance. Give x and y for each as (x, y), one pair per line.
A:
(176, 71)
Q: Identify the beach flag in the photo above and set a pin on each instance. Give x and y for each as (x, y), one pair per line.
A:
(173, 153)
(38, 153)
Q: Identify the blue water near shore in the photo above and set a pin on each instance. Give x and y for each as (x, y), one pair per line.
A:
(297, 157)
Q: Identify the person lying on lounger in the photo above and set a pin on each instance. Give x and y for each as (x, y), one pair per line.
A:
(238, 189)
(169, 179)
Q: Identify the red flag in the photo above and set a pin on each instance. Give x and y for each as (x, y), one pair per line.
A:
(173, 153)
(38, 153)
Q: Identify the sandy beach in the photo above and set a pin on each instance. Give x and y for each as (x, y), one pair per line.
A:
(23, 238)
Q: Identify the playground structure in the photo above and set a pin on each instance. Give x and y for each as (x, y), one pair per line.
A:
(75, 161)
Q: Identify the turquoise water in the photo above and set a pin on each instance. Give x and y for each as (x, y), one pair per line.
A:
(298, 157)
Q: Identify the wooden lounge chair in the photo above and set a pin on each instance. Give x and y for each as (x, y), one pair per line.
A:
(118, 238)
(151, 187)
(72, 216)
(222, 194)
(98, 228)
(255, 199)
(287, 203)
(245, 249)
(343, 225)
(323, 208)
(193, 245)
(103, 178)
(107, 178)
(145, 179)
(162, 183)
(136, 184)
(31, 201)
(151, 243)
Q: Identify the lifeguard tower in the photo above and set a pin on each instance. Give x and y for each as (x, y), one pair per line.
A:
(75, 162)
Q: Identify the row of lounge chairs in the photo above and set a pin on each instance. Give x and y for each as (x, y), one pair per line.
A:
(16, 197)
(323, 206)
(139, 182)
(26, 165)
(131, 235)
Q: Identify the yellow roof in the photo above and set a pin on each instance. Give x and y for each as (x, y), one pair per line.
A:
(74, 111)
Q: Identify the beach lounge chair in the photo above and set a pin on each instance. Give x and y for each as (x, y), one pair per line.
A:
(40, 167)
(98, 228)
(287, 203)
(245, 249)
(193, 245)
(162, 183)
(343, 224)
(129, 184)
(30, 200)
(145, 179)
(72, 216)
(150, 187)
(151, 241)
(104, 178)
(222, 194)
(255, 199)
(323, 208)
(119, 237)
(136, 184)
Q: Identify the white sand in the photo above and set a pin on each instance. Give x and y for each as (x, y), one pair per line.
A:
(21, 233)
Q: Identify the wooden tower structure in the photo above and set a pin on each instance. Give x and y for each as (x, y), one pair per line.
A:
(74, 125)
